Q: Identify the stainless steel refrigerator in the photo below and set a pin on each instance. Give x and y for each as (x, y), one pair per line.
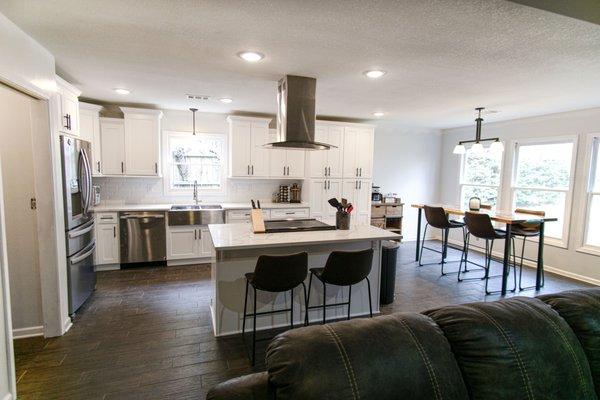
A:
(79, 220)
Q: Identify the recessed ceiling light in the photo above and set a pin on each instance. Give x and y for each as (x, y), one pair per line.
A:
(374, 73)
(251, 56)
(121, 91)
(225, 100)
(378, 114)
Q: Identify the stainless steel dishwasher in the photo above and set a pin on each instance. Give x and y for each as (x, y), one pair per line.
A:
(143, 237)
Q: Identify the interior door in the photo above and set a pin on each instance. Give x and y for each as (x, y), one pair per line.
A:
(113, 148)
(16, 155)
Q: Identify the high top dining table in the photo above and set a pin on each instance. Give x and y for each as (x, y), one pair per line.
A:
(505, 217)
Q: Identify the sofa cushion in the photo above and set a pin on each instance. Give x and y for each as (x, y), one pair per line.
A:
(581, 310)
(518, 348)
(247, 387)
(400, 356)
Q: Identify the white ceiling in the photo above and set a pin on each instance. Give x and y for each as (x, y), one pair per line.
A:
(443, 57)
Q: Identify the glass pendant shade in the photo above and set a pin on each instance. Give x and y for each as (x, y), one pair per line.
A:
(477, 148)
(459, 149)
(497, 147)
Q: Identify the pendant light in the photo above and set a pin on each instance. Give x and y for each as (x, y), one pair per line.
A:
(193, 110)
(477, 147)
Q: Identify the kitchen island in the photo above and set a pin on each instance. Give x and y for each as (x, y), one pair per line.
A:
(236, 249)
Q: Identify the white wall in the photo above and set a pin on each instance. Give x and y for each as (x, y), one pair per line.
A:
(407, 162)
(569, 261)
(151, 190)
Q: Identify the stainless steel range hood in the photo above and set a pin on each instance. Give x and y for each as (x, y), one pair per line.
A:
(296, 115)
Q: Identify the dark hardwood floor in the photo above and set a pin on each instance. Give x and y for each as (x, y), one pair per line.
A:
(146, 333)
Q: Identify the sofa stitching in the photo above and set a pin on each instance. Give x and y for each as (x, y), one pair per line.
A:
(564, 339)
(339, 346)
(425, 358)
(352, 374)
(520, 363)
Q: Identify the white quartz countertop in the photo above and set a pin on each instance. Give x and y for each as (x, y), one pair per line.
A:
(167, 207)
(240, 236)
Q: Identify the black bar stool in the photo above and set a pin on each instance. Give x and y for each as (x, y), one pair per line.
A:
(480, 226)
(437, 218)
(343, 268)
(526, 230)
(275, 274)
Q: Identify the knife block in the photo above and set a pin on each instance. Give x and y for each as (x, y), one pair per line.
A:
(258, 223)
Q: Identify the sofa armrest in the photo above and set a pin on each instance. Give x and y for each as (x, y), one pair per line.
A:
(247, 387)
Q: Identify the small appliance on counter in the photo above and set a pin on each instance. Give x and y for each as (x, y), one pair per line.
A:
(295, 194)
(96, 191)
(376, 196)
(283, 196)
(391, 198)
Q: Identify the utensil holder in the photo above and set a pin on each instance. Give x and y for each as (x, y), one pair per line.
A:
(342, 220)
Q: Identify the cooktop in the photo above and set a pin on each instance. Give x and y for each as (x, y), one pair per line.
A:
(295, 225)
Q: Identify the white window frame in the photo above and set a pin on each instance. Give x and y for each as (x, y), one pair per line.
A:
(592, 153)
(564, 241)
(462, 183)
(204, 193)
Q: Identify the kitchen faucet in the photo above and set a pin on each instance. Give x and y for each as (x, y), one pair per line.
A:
(196, 192)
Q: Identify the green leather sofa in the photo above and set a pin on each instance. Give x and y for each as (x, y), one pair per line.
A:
(519, 348)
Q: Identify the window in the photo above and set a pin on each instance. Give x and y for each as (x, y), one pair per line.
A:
(542, 181)
(196, 158)
(592, 233)
(480, 176)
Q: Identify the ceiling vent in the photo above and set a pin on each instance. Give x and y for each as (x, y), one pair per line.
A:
(198, 97)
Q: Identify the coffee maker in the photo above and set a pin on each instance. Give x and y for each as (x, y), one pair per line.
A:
(376, 196)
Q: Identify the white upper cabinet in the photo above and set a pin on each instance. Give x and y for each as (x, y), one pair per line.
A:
(247, 156)
(285, 163)
(327, 163)
(358, 152)
(68, 105)
(113, 146)
(142, 141)
(89, 129)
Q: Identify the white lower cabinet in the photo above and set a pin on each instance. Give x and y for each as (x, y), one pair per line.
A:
(107, 239)
(188, 242)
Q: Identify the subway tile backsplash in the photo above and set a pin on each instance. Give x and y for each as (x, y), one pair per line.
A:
(150, 190)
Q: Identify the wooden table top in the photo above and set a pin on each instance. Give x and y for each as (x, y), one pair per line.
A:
(505, 217)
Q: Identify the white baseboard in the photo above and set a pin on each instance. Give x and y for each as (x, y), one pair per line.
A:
(531, 264)
(107, 267)
(22, 333)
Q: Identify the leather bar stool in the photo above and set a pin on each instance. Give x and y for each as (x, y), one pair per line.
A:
(343, 268)
(275, 274)
(526, 230)
(437, 218)
(480, 226)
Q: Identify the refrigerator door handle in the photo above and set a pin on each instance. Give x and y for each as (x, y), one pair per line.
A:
(85, 228)
(78, 259)
(88, 181)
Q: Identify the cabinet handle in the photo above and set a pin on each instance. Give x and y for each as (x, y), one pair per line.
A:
(288, 171)
(284, 170)
(114, 231)
(66, 118)
(199, 234)
(253, 170)
(195, 235)
(356, 171)
(248, 168)
(98, 166)
(329, 171)
(360, 184)
(328, 184)
(325, 173)
(325, 185)
(355, 184)
(156, 168)
(360, 173)
(122, 167)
